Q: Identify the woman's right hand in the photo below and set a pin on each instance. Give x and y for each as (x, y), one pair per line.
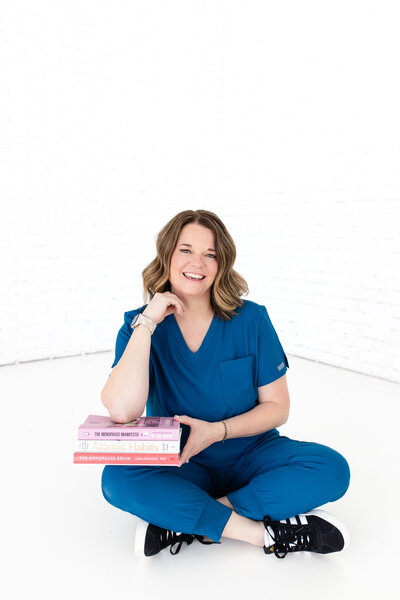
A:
(163, 304)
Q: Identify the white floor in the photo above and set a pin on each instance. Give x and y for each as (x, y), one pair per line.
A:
(61, 539)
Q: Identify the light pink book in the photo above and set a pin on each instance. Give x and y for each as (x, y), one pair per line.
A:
(129, 446)
(144, 428)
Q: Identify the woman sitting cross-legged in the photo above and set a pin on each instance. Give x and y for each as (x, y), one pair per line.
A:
(213, 361)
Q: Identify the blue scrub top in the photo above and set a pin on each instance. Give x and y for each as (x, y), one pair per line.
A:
(218, 381)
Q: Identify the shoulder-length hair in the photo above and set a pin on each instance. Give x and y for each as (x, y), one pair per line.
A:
(228, 285)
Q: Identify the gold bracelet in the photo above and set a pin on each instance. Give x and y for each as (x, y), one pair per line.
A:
(226, 431)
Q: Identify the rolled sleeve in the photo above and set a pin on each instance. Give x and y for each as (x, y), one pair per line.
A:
(272, 360)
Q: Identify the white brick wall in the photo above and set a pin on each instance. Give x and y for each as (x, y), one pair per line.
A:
(280, 117)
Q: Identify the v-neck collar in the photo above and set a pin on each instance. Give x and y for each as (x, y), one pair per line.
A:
(182, 346)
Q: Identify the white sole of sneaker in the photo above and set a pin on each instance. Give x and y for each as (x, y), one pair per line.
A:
(140, 536)
(331, 519)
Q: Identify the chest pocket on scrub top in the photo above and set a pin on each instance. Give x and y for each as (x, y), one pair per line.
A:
(237, 377)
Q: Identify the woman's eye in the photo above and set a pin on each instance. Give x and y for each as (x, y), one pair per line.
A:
(186, 250)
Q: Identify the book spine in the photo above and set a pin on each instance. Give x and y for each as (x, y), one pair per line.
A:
(133, 447)
(125, 459)
(123, 434)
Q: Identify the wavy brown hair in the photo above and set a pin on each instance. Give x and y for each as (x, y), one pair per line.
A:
(228, 285)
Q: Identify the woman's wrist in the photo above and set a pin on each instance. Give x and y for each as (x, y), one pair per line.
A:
(219, 431)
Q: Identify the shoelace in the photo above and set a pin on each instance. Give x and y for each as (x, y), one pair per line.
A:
(172, 538)
(285, 535)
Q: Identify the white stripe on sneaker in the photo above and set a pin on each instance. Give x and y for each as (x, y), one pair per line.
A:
(268, 541)
(303, 519)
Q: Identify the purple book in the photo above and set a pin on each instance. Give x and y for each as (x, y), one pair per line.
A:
(146, 428)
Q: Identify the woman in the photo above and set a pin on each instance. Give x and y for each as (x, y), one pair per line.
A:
(221, 373)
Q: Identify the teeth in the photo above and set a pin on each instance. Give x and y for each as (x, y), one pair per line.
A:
(194, 275)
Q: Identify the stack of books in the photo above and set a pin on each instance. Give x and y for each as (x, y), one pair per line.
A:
(144, 441)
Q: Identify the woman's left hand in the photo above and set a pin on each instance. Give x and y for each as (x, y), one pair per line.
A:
(202, 435)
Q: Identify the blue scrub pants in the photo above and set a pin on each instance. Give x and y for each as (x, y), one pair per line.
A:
(280, 477)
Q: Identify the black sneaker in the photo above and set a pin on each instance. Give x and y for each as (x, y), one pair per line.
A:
(150, 539)
(315, 531)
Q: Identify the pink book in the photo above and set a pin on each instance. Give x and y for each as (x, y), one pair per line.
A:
(111, 458)
(144, 428)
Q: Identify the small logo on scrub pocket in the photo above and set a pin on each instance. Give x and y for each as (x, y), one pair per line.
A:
(280, 367)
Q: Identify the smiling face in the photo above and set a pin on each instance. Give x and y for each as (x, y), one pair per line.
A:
(194, 253)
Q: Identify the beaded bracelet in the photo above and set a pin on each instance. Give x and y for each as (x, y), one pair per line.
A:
(226, 431)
